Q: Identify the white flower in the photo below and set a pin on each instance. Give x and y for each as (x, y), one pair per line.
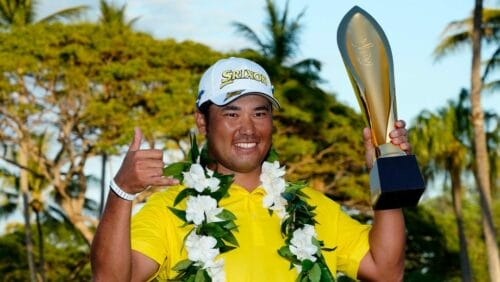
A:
(201, 249)
(277, 203)
(212, 182)
(272, 177)
(216, 271)
(200, 207)
(301, 244)
(274, 184)
(271, 171)
(195, 178)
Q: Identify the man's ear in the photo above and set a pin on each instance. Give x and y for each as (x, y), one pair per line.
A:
(201, 123)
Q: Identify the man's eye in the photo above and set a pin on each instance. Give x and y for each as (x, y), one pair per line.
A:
(261, 114)
(230, 114)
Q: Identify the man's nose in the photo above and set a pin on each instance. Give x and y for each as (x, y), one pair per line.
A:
(247, 125)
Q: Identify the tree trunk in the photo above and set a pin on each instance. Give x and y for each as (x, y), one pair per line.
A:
(456, 185)
(24, 187)
(481, 155)
(41, 265)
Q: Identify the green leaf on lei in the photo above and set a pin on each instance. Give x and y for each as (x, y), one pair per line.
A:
(272, 155)
(183, 265)
(179, 213)
(194, 152)
(183, 194)
(226, 215)
(175, 170)
(315, 273)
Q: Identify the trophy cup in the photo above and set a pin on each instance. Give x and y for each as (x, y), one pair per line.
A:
(395, 178)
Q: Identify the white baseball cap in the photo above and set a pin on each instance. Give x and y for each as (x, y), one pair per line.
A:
(228, 79)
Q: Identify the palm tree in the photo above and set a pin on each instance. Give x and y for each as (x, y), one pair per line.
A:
(481, 150)
(480, 29)
(114, 16)
(279, 47)
(457, 35)
(21, 184)
(23, 12)
(437, 138)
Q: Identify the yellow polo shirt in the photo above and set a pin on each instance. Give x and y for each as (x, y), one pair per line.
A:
(157, 233)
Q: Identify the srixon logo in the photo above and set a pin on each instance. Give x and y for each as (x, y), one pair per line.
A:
(229, 76)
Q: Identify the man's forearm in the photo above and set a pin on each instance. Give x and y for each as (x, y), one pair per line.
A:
(110, 251)
(387, 244)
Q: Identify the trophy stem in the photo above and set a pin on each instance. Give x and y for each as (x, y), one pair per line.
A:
(389, 150)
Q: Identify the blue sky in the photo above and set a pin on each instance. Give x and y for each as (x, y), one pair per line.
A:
(412, 27)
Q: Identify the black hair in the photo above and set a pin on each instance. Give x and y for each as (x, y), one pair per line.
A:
(205, 109)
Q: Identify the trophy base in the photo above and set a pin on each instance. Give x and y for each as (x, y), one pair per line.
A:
(396, 182)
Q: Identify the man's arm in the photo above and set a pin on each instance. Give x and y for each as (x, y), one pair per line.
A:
(385, 259)
(111, 256)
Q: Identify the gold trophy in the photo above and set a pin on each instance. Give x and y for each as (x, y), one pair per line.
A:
(395, 179)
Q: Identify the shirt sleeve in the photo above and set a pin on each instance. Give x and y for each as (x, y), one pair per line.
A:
(339, 230)
(353, 244)
(149, 229)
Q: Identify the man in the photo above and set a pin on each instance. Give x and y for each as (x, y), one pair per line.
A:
(234, 112)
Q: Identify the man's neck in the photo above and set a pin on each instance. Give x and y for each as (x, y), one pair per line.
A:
(249, 181)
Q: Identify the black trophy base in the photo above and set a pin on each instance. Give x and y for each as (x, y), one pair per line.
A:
(396, 182)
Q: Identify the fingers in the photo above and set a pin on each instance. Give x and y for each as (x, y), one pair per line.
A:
(400, 124)
(164, 181)
(149, 154)
(367, 136)
(136, 142)
(399, 136)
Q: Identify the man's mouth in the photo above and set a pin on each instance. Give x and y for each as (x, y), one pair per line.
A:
(246, 145)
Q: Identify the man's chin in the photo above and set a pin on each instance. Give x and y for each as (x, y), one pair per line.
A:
(247, 166)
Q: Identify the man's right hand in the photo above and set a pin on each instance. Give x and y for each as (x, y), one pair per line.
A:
(142, 168)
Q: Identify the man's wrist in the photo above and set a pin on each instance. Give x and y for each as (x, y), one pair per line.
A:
(119, 192)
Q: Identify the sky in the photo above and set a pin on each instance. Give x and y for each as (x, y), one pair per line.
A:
(413, 29)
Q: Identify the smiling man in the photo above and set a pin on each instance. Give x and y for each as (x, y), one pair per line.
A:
(234, 111)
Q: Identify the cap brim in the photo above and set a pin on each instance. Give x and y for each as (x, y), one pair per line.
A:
(271, 99)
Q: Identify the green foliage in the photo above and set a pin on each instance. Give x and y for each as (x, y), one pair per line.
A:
(66, 255)
(432, 245)
(428, 255)
(85, 87)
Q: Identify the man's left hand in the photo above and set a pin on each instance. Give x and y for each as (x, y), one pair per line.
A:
(399, 137)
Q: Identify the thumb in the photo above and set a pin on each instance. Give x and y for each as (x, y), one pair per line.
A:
(136, 142)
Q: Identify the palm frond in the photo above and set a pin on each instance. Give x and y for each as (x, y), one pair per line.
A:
(66, 14)
(457, 27)
(491, 64)
(492, 87)
(308, 64)
(132, 22)
(451, 44)
(250, 35)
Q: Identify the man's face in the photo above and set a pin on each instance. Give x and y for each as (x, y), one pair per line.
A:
(239, 134)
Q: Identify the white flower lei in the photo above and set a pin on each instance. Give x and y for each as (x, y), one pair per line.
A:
(212, 229)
